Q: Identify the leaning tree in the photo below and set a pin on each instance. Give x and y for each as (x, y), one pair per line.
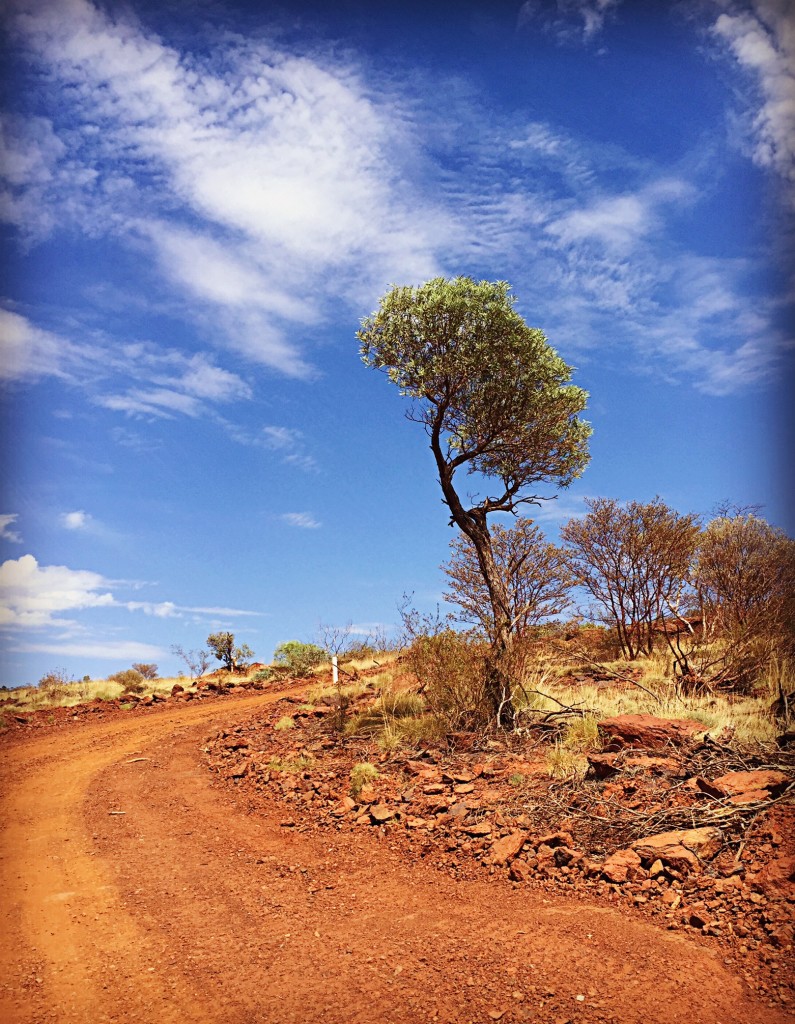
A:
(496, 402)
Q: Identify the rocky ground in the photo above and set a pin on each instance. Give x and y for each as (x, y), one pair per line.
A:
(667, 825)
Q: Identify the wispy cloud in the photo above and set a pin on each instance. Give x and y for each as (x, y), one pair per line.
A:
(137, 378)
(265, 187)
(282, 165)
(121, 650)
(760, 36)
(6, 528)
(301, 520)
(568, 21)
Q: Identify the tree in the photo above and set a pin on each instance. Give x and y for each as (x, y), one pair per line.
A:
(145, 669)
(744, 580)
(532, 572)
(634, 560)
(197, 661)
(222, 645)
(495, 401)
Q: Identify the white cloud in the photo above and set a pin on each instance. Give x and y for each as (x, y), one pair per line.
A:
(762, 41)
(6, 531)
(292, 176)
(173, 382)
(30, 594)
(302, 520)
(121, 650)
(568, 20)
(79, 520)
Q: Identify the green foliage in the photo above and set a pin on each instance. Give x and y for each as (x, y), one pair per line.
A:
(233, 657)
(299, 658)
(362, 774)
(263, 675)
(285, 722)
(130, 680)
(501, 394)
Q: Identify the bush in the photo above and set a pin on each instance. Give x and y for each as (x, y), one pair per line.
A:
(451, 668)
(130, 680)
(55, 685)
(299, 658)
(362, 774)
(263, 675)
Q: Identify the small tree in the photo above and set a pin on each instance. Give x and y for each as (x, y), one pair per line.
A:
(145, 669)
(222, 645)
(744, 581)
(495, 401)
(299, 658)
(634, 560)
(532, 572)
(197, 661)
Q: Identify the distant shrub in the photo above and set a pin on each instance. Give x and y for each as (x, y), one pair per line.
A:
(145, 669)
(263, 675)
(131, 680)
(299, 658)
(54, 685)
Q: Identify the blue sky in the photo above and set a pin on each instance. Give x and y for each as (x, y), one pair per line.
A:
(200, 200)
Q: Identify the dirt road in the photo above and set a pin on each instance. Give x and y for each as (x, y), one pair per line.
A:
(134, 889)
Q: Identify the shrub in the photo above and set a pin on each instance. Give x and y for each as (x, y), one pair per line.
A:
(130, 680)
(263, 675)
(54, 686)
(451, 668)
(286, 722)
(299, 658)
(362, 774)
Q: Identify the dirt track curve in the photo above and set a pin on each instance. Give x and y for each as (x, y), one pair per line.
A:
(185, 908)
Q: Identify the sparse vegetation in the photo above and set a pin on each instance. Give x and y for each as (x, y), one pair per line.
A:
(362, 774)
(130, 680)
(233, 656)
(300, 659)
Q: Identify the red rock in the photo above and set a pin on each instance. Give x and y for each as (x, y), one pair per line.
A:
(684, 850)
(556, 839)
(520, 871)
(367, 794)
(778, 876)
(621, 865)
(177, 688)
(738, 783)
(647, 732)
(603, 766)
(480, 828)
(504, 850)
(380, 813)
(463, 789)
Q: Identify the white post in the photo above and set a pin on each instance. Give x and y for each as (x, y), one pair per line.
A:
(335, 675)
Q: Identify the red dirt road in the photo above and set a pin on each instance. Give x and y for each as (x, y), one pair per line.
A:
(187, 909)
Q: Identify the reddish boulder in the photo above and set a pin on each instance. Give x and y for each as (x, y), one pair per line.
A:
(504, 850)
(647, 732)
(769, 782)
(684, 850)
(621, 866)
